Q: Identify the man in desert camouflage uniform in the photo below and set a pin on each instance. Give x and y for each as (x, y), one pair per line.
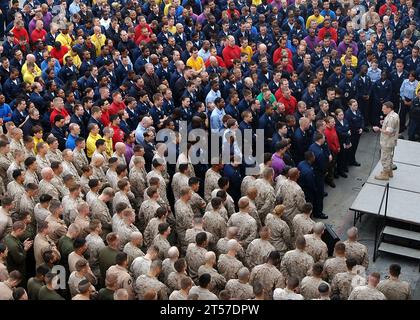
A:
(161, 240)
(388, 139)
(214, 222)
(152, 228)
(218, 281)
(124, 280)
(197, 202)
(123, 194)
(45, 185)
(266, 198)
(221, 246)
(251, 195)
(79, 156)
(150, 281)
(279, 230)
(228, 265)
(196, 253)
(259, 249)
(68, 166)
(310, 284)
(100, 211)
(132, 248)
(211, 180)
(15, 188)
(369, 291)
(355, 249)
(157, 172)
(180, 180)
(302, 223)
(247, 182)
(174, 278)
(127, 227)
(315, 246)
(198, 226)
(71, 202)
(5, 161)
(137, 178)
(268, 275)
(53, 154)
(184, 215)
(292, 196)
(148, 208)
(169, 262)
(394, 288)
(31, 173)
(343, 283)
(56, 227)
(337, 264)
(240, 288)
(297, 263)
(94, 243)
(246, 224)
(41, 156)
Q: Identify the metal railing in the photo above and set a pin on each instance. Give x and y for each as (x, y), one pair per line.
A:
(381, 223)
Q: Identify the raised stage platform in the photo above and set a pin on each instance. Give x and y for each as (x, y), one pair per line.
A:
(404, 188)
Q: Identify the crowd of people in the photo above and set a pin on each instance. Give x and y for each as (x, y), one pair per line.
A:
(86, 185)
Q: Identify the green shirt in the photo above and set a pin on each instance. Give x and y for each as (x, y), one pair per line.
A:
(106, 259)
(106, 294)
(47, 294)
(34, 285)
(65, 246)
(16, 258)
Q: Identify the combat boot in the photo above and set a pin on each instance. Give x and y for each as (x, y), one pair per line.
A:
(382, 176)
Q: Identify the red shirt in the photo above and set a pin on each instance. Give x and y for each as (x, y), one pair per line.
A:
(277, 55)
(332, 140)
(55, 112)
(114, 108)
(290, 104)
(118, 135)
(19, 34)
(105, 118)
(384, 7)
(230, 53)
(59, 54)
(38, 35)
(278, 94)
(142, 38)
(219, 60)
(137, 30)
(323, 31)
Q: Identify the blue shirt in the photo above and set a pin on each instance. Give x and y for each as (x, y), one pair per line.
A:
(408, 89)
(5, 112)
(139, 134)
(216, 123)
(71, 142)
(374, 75)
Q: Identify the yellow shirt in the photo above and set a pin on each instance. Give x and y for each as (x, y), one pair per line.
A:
(354, 61)
(248, 51)
(29, 77)
(109, 150)
(172, 29)
(37, 70)
(76, 59)
(256, 2)
(418, 88)
(196, 64)
(90, 143)
(36, 141)
(318, 20)
(98, 42)
(65, 40)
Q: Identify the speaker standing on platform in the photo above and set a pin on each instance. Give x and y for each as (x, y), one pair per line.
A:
(388, 139)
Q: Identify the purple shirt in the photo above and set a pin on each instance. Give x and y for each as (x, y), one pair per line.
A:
(47, 18)
(277, 165)
(128, 153)
(311, 41)
(342, 47)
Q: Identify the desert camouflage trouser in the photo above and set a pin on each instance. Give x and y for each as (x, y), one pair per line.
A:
(386, 158)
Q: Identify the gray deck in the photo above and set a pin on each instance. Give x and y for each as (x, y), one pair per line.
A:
(404, 191)
(407, 152)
